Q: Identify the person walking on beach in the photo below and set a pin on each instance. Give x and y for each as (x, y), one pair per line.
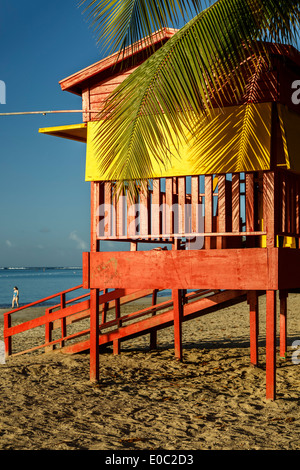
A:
(15, 297)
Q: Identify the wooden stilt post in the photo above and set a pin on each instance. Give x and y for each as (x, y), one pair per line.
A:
(177, 305)
(94, 335)
(63, 320)
(283, 323)
(253, 306)
(7, 340)
(48, 332)
(271, 344)
(116, 342)
(153, 334)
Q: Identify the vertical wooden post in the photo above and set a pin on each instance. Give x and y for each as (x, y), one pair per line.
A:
(169, 215)
(94, 293)
(283, 322)
(178, 313)
(95, 200)
(195, 203)
(270, 207)
(94, 335)
(155, 208)
(250, 212)
(86, 104)
(236, 202)
(7, 339)
(108, 227)
(208, 209)
(271, 344)
(253, 307)
(116, 342)
(144, 225)
(63, 320)
(153, 333)
(48, 331)
(181, 205)
(221, 241)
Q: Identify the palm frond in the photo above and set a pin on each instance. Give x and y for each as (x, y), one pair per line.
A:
(121, 23)
(198, 68)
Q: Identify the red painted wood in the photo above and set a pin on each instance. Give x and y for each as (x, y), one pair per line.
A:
(221, 241)
(235, 203)
(94, 336)
(48, 333)
(132, 221)
(178, 315)
(169, 215)
(7, 339)
(144, 212)
(63, 320)
(253, 307)
(40, 321)
(86, 104)
(195, 204)
(95, 199)
(155, 208)
(191, 310)
(110, 66)
(153, 333)
(192, 269)
(250, 209)
(181, 205)
(208, 209)
(283, 323)
(269, 209)
(120, 203)
(271, 344)
(116, 343)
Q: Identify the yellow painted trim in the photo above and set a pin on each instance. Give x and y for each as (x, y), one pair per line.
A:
(233, 139)
(76, 132)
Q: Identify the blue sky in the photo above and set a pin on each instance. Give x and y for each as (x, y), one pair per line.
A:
(44, 203)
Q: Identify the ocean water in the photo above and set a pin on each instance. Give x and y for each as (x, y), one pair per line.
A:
(37, 283)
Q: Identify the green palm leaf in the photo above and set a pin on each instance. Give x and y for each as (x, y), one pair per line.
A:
(121, 23)
(171, 91)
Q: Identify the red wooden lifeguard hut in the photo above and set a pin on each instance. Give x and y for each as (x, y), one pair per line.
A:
(233, 226)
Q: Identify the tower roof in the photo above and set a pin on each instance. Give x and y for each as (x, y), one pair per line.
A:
(111, 64)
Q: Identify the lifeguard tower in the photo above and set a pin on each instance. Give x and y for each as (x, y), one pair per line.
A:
(230, 228)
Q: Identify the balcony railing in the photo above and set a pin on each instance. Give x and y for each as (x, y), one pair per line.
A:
(208, 211)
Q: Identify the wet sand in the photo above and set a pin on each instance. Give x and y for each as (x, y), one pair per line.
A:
(213, 400)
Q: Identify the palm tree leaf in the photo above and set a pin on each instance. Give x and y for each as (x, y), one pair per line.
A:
(172, 90)
(121, 23)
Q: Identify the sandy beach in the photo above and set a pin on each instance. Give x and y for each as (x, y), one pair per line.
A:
(213, 400)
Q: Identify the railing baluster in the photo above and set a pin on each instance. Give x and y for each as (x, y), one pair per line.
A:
(235, 202)
(144, 212)
(208, 209)
(195, 203)
(131, 215)
(181, 205)
(108, 207)
(221, 241)
(169, 215)
(155, 208)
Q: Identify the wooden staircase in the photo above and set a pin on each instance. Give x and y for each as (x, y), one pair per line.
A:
(65, 326)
